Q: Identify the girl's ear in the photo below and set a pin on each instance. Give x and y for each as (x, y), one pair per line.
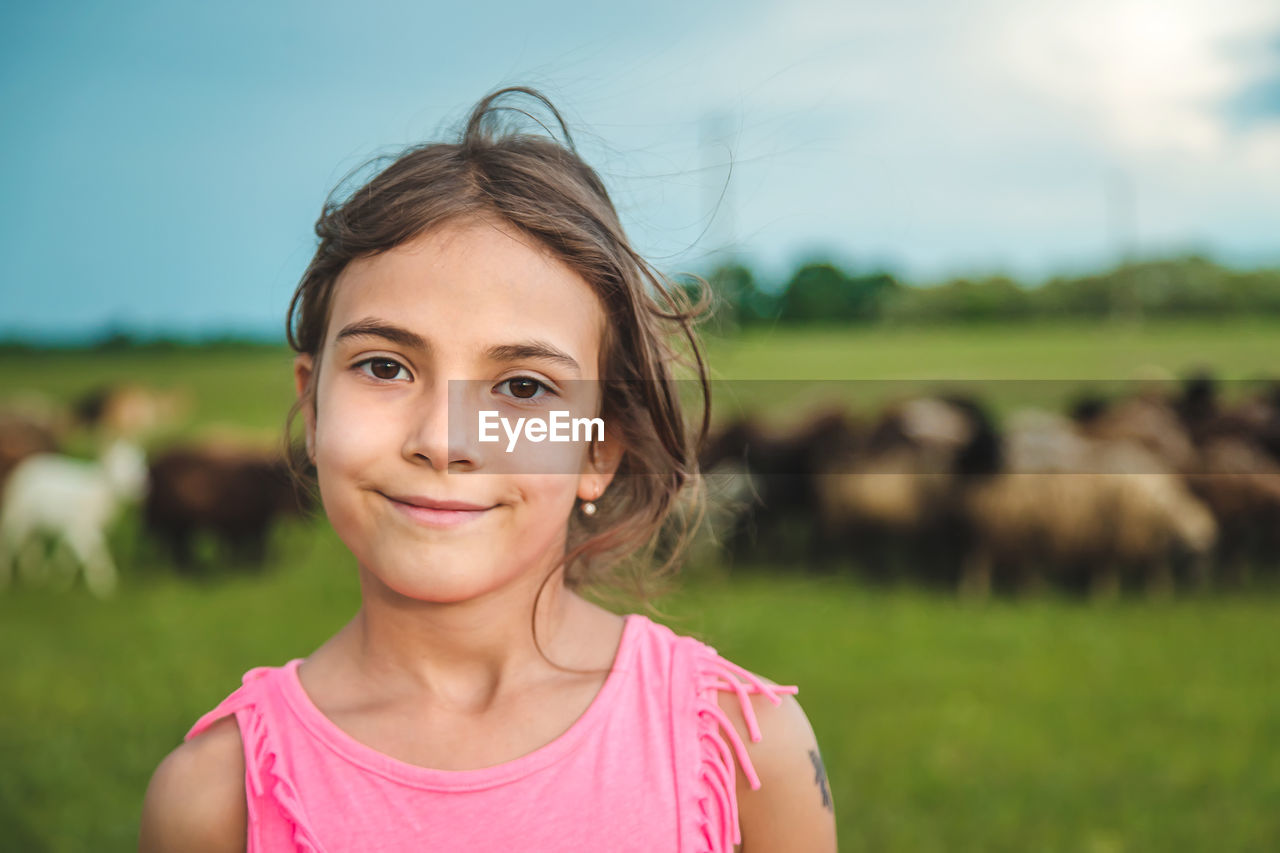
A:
(597, 476)
(303, 366)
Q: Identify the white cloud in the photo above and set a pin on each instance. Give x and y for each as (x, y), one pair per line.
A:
(1152, 75)
(948, 134)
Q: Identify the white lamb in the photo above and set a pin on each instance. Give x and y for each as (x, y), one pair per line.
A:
(74, 501)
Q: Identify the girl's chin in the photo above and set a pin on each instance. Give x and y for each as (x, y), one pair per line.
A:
(436, 586)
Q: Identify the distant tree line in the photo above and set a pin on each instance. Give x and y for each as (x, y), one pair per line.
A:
(822, 292)
(119, 339)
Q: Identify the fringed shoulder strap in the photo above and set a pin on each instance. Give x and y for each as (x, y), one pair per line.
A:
(241, 697)
(266, 782)
(718, 742)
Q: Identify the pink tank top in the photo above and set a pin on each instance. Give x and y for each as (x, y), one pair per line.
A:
(647, 767)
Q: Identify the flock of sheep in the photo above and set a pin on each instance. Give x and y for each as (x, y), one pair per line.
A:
(1150, 490)
(57, 510)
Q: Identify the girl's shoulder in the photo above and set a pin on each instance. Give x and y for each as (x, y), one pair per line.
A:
(196, 797)
(755, 731)
(196, 800)
(755, 747)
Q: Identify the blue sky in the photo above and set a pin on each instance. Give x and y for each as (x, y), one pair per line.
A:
(164, 163)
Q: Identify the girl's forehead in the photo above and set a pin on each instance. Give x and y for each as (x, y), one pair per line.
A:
(466, 284)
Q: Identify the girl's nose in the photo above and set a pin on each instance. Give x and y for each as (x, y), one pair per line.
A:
(438, 431)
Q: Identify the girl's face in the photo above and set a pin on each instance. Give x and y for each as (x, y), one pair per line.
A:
(470, 300)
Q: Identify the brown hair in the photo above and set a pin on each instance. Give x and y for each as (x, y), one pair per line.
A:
(544, 189)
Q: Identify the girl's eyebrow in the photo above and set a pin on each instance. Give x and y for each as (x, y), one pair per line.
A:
(372, 328)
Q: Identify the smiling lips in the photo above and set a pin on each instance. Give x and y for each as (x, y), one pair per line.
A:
(441, 514)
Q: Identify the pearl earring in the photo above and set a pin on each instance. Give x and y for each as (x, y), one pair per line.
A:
(589, 508)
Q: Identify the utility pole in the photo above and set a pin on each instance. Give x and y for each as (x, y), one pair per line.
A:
(717, 142)
(1122, 216)
(1122, 220)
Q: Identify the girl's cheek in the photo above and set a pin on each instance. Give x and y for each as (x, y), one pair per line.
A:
(556, 495)
(357, 441)
(533, 458)
(349, 434)
(539, 461)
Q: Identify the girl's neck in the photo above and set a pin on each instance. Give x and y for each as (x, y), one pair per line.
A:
(468, 655)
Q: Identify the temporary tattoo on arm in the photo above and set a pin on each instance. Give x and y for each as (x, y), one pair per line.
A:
(820, 778)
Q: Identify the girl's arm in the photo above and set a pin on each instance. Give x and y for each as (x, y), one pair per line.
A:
(196, 799)
(793, 809)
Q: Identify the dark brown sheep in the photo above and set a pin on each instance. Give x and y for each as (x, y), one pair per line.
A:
(232, 493)
(1237, 471)
(784, 468)
(1240, 483)
(1256, 419)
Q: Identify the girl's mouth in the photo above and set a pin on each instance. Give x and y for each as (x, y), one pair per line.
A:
(439, 518)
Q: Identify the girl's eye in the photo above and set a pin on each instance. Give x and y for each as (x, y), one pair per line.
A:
(382, 368)
(525, 387)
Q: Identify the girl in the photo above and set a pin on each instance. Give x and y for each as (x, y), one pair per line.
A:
(477, 701)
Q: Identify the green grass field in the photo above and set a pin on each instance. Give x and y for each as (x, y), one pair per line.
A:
(1046, 724)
